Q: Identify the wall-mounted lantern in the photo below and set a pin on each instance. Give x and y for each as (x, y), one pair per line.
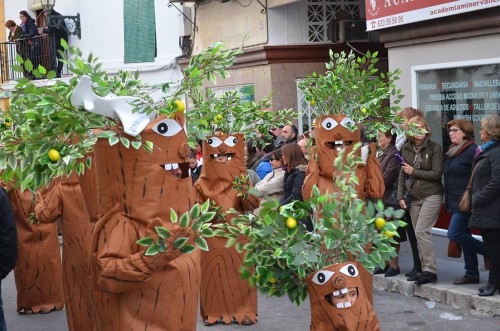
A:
(70, 23)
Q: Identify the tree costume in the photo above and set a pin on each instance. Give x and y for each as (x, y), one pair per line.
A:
(64, 201)
(38, 269)
(131, 290)
(224, 296)
(334, 281)
(331, 131)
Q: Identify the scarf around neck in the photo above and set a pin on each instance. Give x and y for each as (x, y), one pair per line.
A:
(457, 149)
(485, 147)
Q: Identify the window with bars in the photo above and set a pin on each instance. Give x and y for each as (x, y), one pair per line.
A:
(320, 13)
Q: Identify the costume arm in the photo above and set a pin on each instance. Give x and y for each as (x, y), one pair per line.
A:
(48, 208)
(312, 176)
(121, 262)
(374, 185)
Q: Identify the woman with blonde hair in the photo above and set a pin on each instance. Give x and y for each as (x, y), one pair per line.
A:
(420, 175)
(486, 198)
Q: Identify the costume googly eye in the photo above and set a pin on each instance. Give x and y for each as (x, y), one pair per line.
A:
(167, 128)
(350, 270)
(347, 123)
(231, 141)
(329, 123)
(321, 277)
(214, 142)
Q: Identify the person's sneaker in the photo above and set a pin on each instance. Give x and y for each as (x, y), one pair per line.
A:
(466, 280)
(413, 272)
(391, 272)
(426, 277)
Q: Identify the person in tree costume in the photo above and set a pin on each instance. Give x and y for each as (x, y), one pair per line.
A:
(38, 270)
(224, 296)
(64, 201)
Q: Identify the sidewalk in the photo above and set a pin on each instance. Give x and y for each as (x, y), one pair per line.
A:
(463, 296)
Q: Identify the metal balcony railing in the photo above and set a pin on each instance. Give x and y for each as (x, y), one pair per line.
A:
(40, 50)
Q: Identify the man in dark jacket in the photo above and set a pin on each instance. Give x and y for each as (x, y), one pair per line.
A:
(56, 34)
(8, 246)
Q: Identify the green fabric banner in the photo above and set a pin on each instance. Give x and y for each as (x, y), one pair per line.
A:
(140, 30)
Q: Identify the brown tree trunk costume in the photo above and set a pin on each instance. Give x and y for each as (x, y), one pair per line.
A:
(133, 291)
(326, 312)
(64, 201)
(38, 269)
(224, 295)
(322, 173)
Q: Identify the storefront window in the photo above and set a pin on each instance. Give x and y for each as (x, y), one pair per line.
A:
(469, 90)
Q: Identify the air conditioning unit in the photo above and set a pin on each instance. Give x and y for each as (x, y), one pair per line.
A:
(350, 31)
(185, 22)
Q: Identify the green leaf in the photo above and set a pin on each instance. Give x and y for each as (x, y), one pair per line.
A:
(16, 68)
(125, 142)
(113, 140)
(184, 221)
(173, 216)
(28, 65)
(187, 249)
(179, 242)
(195, 211)
(146, 241)
(153, 250)
(136, 144)
(51, 74)
(205, 206)
(201, 243)
(162, 232)
(206, 217)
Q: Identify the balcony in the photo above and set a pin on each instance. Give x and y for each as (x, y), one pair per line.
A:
(37, 49)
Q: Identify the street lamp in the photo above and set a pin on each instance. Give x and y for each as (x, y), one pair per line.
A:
(69, 23)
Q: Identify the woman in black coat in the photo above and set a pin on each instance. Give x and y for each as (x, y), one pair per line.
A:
(457, 171)
(295, 165)
(32, 42)
(486, 198)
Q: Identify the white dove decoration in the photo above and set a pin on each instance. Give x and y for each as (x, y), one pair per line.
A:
(112, 106)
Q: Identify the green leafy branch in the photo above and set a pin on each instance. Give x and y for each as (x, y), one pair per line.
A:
(198, 218)
(43, 118)
(281, 252)
(354, 86)
(242, 185)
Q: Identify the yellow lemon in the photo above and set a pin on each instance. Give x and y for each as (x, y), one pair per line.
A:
(363, 111)
(313, 102)
(219, 117)
(54, 155)
(272, 280)
(180, 105)
(389, 234)
(379, 223)
(291, 223)
(216, 121)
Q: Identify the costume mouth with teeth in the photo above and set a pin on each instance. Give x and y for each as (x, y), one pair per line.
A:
(328, 312)
(223, 292)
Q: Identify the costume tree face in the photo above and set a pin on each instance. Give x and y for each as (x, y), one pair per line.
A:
(223, 157)
(338, 300)
(333, 133)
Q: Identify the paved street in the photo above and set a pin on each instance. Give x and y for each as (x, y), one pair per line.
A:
(395, 312)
